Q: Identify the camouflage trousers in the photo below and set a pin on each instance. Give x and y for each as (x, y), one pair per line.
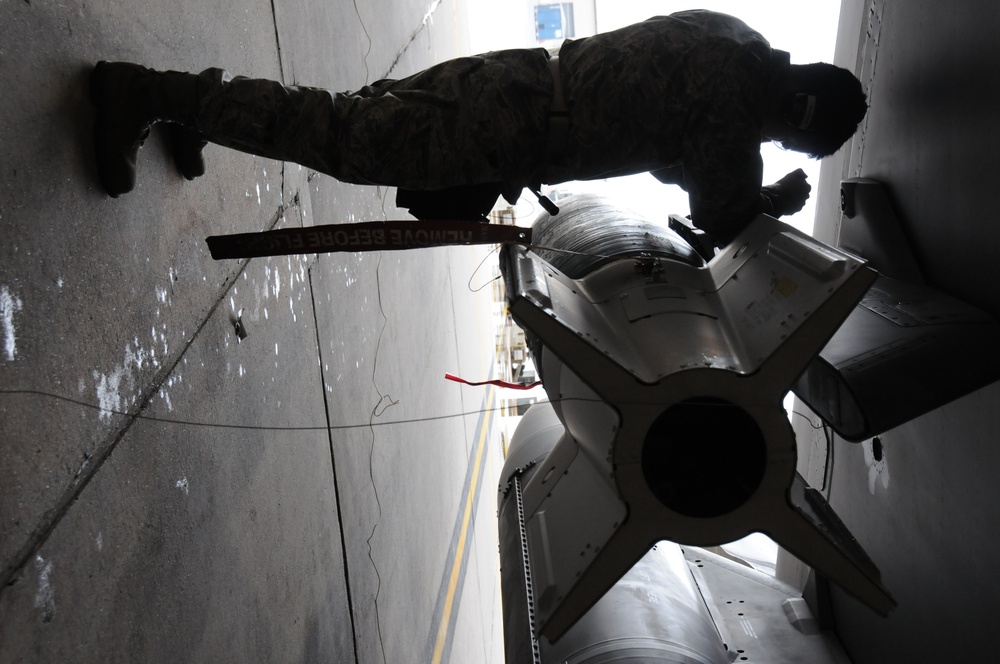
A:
(465, 121)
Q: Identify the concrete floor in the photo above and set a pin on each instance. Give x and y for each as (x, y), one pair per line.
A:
(312, 493)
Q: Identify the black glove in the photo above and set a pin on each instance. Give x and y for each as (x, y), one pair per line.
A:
(786, 196)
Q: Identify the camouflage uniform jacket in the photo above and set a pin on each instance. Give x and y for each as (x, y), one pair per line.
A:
(681, 96)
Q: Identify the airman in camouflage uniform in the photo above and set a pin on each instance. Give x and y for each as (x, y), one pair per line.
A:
(688, 97)
(686, 91)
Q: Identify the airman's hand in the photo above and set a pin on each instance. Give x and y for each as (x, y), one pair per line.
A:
(788, 195)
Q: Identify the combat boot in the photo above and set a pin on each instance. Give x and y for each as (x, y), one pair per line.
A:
(129, 98)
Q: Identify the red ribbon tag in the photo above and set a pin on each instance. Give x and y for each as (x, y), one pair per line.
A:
(499, 383)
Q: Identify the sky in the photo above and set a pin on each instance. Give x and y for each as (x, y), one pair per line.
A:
(805, 28)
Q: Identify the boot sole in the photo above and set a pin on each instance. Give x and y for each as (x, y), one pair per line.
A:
(113, 186)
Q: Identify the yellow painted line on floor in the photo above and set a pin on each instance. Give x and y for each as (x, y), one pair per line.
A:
(456, 566)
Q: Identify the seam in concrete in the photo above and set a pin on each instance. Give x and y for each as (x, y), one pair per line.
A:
(53, 516)
(277, 41)
(333, 467)
(413, 36)
(281, 77)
